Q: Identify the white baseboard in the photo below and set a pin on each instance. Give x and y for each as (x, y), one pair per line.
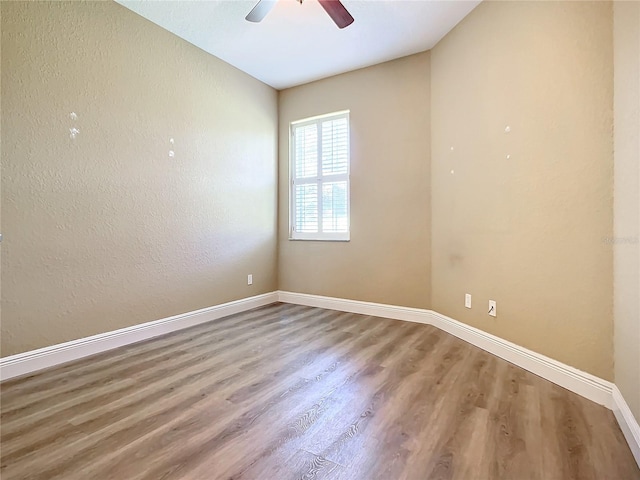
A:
(28, 362)
(408, 314)
(582, 383)
(577, 381)
(628, 423)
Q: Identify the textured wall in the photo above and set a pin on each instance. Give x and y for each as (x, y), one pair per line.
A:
(626, 225)
(387, 259)
(528, 231)
(107, 231)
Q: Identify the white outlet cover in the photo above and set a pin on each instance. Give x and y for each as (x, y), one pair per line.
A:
(492, 308)
(250, 279)
(467, 300)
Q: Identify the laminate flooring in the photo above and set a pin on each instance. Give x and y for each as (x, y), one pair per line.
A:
(292, 392)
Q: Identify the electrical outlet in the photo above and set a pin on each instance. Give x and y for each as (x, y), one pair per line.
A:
(467, 300)
(492, 308)
(250, 279)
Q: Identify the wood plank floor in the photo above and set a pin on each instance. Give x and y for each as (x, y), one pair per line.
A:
(292, 392)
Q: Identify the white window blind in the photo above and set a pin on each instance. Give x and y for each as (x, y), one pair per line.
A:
(320, 178)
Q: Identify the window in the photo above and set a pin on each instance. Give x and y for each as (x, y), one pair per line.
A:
(319, 193)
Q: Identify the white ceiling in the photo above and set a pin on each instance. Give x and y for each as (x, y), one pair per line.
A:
(296, 43)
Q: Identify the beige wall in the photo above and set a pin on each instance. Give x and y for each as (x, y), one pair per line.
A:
(527, 231)
(107, 231)
(626, 226)
(388, 257)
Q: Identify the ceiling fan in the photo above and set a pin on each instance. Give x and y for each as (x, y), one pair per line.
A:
(334, 8)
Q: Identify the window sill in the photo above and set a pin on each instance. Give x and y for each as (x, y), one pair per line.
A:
(345, 238)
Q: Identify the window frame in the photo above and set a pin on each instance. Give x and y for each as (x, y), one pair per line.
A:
(319, 179)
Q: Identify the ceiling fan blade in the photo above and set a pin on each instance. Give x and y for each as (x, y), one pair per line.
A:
(260, 11)
(337, 12)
